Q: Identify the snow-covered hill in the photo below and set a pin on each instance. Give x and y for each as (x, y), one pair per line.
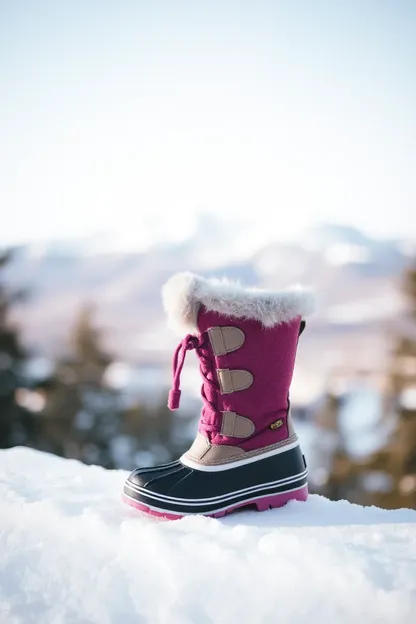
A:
(354, 275)
(72, 553)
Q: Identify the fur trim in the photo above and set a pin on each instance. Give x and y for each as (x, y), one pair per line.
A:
(184, 293)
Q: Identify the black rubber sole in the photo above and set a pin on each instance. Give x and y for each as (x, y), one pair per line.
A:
(179, 490)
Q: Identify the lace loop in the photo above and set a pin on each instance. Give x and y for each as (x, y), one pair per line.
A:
(189, 343)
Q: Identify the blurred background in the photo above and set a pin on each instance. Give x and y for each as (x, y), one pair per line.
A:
(270, 141)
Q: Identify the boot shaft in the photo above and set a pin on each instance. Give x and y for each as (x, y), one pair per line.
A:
(246, 340)
(253, 368)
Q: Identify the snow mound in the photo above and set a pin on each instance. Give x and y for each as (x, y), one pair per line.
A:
(72, 553)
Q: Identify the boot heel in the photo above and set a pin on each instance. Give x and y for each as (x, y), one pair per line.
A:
(279, 500)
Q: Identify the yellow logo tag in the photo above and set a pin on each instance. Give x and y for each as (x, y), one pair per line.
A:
(276, 424)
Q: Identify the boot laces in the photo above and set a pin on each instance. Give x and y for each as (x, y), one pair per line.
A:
(189, 343)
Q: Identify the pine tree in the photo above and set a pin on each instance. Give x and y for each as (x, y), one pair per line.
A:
(397, 460)
(17, 425)
(80, 417)
(89, 357)
(333, 466)
(403, 387)
(158, 436)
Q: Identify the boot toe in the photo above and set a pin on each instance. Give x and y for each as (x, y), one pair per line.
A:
(142, 476)
(138, 477)
(157, 481)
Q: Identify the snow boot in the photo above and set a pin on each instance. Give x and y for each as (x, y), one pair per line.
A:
(246, 452)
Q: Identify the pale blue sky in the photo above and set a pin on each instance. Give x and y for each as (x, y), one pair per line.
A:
(128, 116)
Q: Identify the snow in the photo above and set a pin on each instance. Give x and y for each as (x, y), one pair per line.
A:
(73, 553)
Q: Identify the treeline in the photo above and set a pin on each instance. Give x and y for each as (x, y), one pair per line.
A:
(386, 476)
(73, 411)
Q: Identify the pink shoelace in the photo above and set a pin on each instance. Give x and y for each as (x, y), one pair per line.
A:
(189, 343)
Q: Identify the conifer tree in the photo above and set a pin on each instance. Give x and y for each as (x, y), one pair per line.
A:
(402, 464)
(80, 417)
(397, 459)
(17, 426)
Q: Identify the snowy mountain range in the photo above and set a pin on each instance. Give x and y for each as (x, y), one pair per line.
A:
(356, 279)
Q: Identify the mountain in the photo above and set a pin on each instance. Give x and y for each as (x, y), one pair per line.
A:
(355, 276)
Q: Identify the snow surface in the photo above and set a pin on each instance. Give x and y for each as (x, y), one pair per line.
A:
(72, 552)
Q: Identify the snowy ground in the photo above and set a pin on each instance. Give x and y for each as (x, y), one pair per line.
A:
(72, 552)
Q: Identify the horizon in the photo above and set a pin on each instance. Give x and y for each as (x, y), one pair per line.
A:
(253, 239)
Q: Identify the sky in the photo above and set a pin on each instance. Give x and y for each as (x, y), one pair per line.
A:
(132, 117)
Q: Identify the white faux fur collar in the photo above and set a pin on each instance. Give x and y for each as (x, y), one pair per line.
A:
(184, 293)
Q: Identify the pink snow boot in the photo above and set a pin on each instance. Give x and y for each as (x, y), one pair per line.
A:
(246, 451)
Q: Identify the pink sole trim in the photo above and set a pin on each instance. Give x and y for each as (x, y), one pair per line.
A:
(262, 504)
